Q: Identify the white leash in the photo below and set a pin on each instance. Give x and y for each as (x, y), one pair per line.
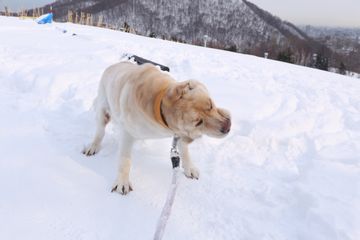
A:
(165, 214)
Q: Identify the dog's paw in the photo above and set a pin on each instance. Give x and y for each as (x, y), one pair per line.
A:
(122, 187)
(91, 150)
(191, 172)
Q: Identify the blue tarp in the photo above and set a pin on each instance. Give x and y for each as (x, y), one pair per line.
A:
(46, 18)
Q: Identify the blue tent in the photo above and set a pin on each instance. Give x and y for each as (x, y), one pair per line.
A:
(46, 18)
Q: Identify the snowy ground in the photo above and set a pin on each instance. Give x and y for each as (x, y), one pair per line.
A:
(290, 169)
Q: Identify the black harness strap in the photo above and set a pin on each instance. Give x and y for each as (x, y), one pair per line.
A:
(140, 61)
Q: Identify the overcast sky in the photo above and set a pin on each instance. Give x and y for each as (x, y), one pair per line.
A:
(314, 12)
(16, 5)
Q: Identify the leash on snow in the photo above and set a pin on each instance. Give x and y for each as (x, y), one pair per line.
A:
(165, 213)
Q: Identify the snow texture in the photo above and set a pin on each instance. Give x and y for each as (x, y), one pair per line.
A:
(290, 168)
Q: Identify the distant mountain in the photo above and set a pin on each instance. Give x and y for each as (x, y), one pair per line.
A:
(236, 25)
(344, 41)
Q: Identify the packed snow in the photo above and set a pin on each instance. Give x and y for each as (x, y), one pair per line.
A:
(290, 168)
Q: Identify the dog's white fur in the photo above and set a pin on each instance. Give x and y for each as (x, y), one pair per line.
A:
(147, 103)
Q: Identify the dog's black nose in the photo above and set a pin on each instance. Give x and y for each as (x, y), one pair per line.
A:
(226, 126)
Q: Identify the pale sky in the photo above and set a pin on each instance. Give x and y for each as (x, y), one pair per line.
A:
(17, 5)
(345, 13)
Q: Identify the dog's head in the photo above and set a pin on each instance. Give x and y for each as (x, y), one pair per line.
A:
(191, 112)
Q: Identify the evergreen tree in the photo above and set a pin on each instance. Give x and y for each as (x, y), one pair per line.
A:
(342, 69)
(126, 27)
(231, 48)
(321, 62)
(286, 56)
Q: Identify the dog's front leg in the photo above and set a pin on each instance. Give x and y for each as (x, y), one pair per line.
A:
(122, 184)
(189, 169)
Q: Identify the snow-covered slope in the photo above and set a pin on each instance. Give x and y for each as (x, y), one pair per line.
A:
(290, 169)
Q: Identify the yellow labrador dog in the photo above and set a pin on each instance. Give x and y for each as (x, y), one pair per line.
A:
(148, 103)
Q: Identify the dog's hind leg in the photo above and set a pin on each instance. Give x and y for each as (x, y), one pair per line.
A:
(102, 119)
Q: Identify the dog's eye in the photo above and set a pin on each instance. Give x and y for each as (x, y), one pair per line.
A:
(199, 123)
(211, 105)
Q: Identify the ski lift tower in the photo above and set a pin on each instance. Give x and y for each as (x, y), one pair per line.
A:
(205, 39)
(314, 59)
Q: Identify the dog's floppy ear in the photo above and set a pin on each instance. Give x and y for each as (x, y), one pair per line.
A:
(179, 90)
(182, 88)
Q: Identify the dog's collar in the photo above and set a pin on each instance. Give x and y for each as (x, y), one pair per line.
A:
(158, 113)
(162, 115)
